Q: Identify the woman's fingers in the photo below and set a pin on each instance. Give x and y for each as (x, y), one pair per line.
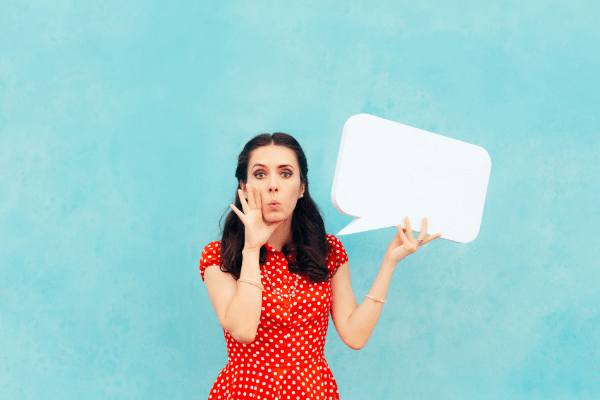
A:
(245, 206)
(430, 238)
(409, 232)
(403, 238)
(238, 212)
(257, 198)
(423, 233)
(251, 198)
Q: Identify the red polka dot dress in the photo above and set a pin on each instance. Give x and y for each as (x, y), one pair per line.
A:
(286, 360)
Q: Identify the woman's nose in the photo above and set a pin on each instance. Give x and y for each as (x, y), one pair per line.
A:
(273, 185)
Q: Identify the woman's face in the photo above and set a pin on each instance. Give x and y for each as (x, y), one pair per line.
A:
(275, 173)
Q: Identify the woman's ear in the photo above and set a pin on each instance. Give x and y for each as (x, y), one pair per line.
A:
(243, 187)
(302, 187)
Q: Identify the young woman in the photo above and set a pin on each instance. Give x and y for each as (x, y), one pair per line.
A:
(275, 275)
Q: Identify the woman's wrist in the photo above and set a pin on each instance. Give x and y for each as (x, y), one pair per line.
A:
(250, 251)
(388, 263)
(250, 264)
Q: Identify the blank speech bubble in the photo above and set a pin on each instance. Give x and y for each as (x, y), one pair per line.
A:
(386, 171)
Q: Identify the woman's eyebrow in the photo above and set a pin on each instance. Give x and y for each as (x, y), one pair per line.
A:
(281, 166)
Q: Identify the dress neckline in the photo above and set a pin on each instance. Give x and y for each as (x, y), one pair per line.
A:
(293, 247)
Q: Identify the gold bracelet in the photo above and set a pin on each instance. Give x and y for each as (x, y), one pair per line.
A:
(257, 284)
(379, 301)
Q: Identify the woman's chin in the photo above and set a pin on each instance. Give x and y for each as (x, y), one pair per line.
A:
(273, 217)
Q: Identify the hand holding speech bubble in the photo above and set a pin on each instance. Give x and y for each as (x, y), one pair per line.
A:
(386, 171)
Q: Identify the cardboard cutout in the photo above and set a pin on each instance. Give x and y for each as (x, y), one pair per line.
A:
(386, 171)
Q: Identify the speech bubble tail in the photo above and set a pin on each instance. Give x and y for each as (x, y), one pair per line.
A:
(360, 225)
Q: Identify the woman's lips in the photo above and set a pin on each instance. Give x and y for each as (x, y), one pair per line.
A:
(273, 205)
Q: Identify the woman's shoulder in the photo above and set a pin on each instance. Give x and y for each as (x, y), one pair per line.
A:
(212, 246)
(332, 239)
(211, 255)
(334, 242)
(338, 249)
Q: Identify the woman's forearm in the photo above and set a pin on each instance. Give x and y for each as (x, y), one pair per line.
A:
(363, 319)
(243, 313)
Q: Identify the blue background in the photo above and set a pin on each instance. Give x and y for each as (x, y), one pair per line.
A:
(120, 123)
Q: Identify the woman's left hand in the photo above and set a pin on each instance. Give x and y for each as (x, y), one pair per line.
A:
(405, 244)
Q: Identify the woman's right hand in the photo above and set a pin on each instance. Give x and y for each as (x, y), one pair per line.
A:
(258, 231)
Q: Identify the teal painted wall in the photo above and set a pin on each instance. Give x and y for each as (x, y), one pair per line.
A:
(120, 123)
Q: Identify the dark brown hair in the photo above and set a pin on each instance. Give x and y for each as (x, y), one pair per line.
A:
(308, 228)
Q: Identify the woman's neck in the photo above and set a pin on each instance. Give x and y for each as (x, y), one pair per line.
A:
(281, 236)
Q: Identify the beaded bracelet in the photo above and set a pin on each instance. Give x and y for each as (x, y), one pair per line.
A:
(379, 301)
(257, 284)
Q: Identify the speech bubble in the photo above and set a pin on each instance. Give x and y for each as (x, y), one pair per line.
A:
(386, 171)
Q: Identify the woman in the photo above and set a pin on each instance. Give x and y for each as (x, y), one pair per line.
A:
(279, 276)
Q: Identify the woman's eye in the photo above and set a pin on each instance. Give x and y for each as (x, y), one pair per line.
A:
(259, 175)
(286, 174)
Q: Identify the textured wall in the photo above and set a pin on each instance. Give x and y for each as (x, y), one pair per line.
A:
(119, 127)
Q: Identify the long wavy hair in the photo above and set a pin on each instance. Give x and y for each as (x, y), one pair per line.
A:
(308, 229)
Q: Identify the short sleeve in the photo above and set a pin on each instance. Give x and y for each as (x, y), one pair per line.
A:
(211, 255)
(338, 250)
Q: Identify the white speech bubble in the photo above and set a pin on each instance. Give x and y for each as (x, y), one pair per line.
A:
(386, 171)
